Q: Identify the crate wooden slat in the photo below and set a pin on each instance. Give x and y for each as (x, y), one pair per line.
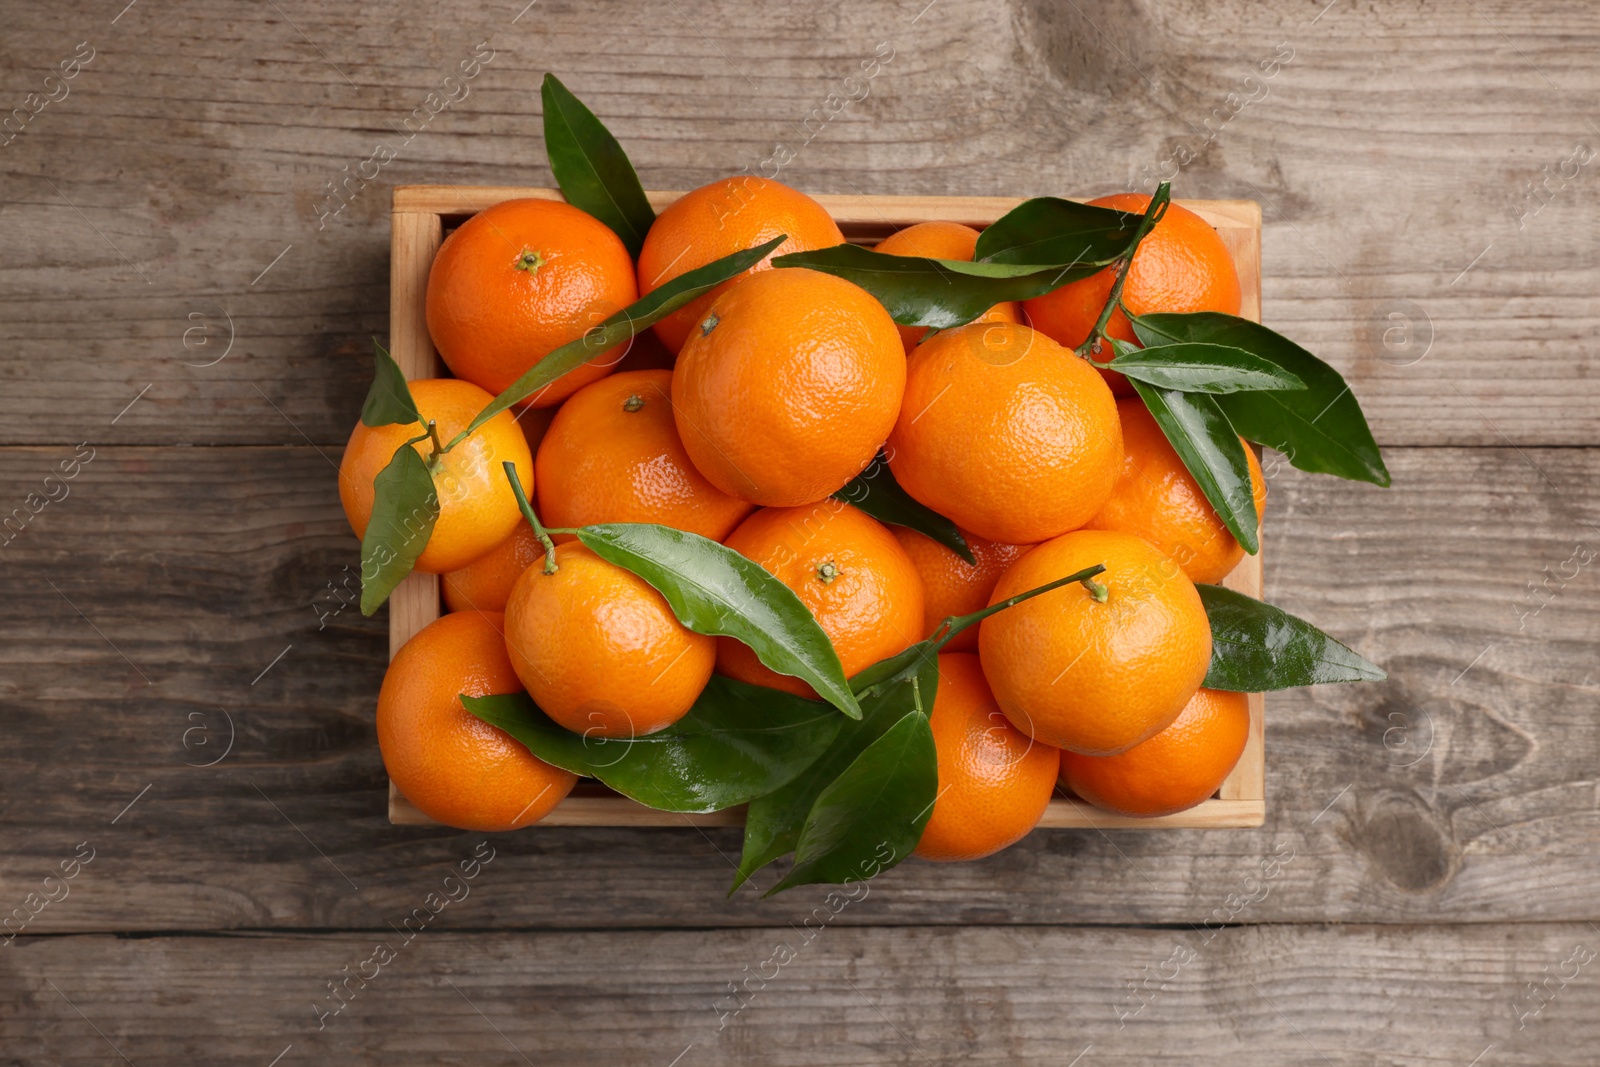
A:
(421, 216)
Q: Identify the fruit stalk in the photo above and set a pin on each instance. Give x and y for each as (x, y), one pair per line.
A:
(1124, 263)
(533, 519)
(438, 445)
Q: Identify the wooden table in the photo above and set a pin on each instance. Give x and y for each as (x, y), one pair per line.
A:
(187, 314)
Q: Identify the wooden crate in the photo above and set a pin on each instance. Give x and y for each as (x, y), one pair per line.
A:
(424, 213)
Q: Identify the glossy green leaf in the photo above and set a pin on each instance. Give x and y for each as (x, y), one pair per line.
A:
(773, 822)
(1049, 231)
(940, 293)
(1319, 428)
(1201, 367)
(404, 509)
(1256, 647)
(631, 320)
(1212, 452)
(887, 690)
(871, 817)
(714, 590)
(591, 168)
(876, 492)
(388, 398)
(738, 742)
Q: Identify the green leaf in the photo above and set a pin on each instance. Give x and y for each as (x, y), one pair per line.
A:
(876, 492)
(739, 741)
(871, 817)
(404, 509)
(906, 681)
(714, 590)
(1213, 453)
(1256, 647)
(1319, 428)
(389, 398)
(591, 168)
(773, 822)
(1050, 231)
(1200, 367)
(940, 293)
(631, 320)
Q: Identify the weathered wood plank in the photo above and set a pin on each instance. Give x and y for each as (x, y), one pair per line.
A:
(1463, 788)
(1413, 166)
(819, 993)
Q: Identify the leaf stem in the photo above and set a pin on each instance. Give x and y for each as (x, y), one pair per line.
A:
(438, 446)
(533, 520)
(949, 628)
(1123, 264)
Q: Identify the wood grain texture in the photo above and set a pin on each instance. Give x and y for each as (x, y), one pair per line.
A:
(195, 258)
(891, 212)
(414, 241)
(603, 808)
(1392, 150)
(1461, 789)
(817, 992)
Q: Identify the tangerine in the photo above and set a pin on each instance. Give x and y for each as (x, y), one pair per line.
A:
(485, 583)
(1181, 265)
(728, 215)
(477, 510)
(951, 585)
(788, 387)
(994, 780)
(1157, 498)
(1176, 769)
(1091, 676)
(848, 569)
(613, 455)
(599, 649)
(941, 240)
(1006, 433)
(454, 767)
(520, 279)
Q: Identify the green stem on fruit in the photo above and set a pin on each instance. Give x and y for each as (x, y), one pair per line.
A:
(432, 459)
(438, 446)
(533, 520)
(1123, 264)
(950, 627)
(1096, 590)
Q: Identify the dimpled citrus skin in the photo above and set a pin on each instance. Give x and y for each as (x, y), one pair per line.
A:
(994, 780)
(1176, 769)
(454, 767)
(788, 387)
(951, 585)
(613, 455)
(494, 312)
(870, 608)
(1090, 677)
(941, 240)
(1157, 498)
(1006, 433)
(1181, 265)
(727, 216)
(477, 510)
(600, 651)
(485, 583)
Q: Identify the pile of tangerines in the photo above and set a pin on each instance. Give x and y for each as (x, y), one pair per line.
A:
(764, 415)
